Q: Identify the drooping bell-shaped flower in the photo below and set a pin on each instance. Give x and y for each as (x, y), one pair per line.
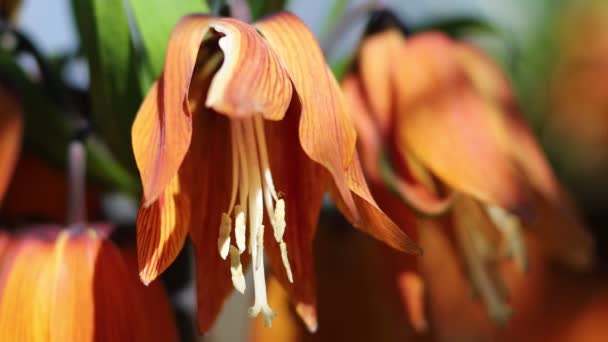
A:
(440, 128)
(236, 144)
(76, 285)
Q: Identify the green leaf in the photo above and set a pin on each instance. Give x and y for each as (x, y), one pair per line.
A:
(48, 131)
(115, 93)
(154, 21)
(334, 16)
(260, 8)
(342, 66)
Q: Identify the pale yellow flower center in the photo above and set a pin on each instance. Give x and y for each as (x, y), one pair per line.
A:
(252, 181)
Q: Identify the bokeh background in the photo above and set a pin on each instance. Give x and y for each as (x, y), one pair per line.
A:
(554, 51)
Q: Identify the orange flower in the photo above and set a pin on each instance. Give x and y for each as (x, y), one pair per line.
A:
(550, 303)
(244, 130)
(440, 127)
(75, 285)
(11, 131)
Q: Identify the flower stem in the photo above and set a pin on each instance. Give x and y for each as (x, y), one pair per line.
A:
(76, 214)
(239, 9)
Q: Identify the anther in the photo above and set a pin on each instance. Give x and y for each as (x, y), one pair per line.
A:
(240, 228)
(278, 222)
(223, 241)
(236, 270)
(259, 246)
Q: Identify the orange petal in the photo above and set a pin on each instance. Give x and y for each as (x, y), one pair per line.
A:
(154, 301)
(160, 141)
(326, 131)
(375, 163)
(367, 216)
(247, 60)
(449, 290)
(162, 228)
(369, 142)
(377, 57)
(11, 131)
(71, 285)
(562, 234)
(558, 224)
(209, 188)
(485, 74)
(162, 130)
(411, 287)
(5, 240)
(447, 125)
(302, 183)
(20, 319)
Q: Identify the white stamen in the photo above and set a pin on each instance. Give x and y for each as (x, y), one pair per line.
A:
(285, 260)
(259, 130)
(482, 279)
(510, 227)
(260, 246)
(236, 269)
(239, 228)
(256, 212)
(253, 181)
(256, 202)
(223, 241)
(278, 221)
(235, 167)
(243, 179)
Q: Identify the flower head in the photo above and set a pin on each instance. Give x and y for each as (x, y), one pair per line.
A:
(75, 285)
(236, 144)
(442, 129)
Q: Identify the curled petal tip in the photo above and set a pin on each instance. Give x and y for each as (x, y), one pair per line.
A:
(147, 203)
(308, 314)
(145, 278)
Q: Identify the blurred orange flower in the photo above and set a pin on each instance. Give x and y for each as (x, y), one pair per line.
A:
(577, 101)
(440, 127)
(246, 120)
(75, 285)
(550, 303)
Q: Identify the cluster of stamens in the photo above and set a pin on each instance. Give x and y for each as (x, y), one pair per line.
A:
(481, 257)
(252, 181)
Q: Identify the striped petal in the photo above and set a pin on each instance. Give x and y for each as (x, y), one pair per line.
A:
(209, 190)
(327, 134)
(162, 228)
(302, 183)
(73, 285)
(163, 128)
(379, 170)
